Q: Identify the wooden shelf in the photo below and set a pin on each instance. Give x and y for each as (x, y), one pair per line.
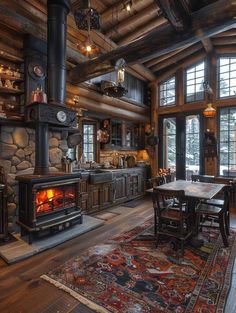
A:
(11, 90)
(12, 78)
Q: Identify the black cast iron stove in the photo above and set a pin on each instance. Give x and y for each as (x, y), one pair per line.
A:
(49, 202)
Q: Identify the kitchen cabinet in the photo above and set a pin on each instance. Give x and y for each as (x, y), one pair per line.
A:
(126, 184)
(120, 187)
(125, 136)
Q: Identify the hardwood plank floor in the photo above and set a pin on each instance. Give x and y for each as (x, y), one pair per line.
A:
(22, 290)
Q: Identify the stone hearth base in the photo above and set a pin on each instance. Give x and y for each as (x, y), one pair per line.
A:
(20, 249)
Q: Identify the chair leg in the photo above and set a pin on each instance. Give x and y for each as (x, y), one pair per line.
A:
(227, 222)
(223, 231)
(155, 223)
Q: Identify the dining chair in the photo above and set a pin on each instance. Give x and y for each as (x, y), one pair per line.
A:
(169, 219)
(219, 199)
(156, 181)
(215, 213)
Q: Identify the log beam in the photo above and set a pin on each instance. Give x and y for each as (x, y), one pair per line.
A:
(132, 22)
(158, 42)
(207, 44)
(176, 12)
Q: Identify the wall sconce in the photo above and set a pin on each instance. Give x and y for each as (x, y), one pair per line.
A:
(209, 111)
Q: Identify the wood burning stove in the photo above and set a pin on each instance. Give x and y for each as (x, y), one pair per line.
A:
(48, 204)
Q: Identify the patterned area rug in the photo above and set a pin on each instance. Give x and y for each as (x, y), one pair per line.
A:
(130, 275)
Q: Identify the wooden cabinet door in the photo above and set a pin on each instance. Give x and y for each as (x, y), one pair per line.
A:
(85, 203)
(107, 194)
(95, 197)
(120, 188)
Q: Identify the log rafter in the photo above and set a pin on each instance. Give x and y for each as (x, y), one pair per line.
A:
(157, 42)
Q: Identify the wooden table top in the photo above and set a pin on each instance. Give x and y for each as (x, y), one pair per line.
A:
(193, 189)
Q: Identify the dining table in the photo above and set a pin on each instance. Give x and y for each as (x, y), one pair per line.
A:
(194, 192)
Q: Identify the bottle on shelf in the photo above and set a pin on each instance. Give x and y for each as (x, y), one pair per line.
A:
(8, 84)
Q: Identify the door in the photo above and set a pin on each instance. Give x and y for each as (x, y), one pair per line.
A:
(180, 148)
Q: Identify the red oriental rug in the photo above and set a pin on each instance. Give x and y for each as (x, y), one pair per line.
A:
(130, 275)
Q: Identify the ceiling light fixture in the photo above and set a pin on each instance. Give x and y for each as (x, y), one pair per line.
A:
(86, 18)
(128, 6)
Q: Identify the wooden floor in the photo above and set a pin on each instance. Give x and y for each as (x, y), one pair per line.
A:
(22, 290)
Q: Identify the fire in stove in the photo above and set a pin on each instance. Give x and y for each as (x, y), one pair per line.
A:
(49, 200)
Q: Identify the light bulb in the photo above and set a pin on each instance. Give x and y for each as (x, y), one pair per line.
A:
(88, 48)
(128, 7)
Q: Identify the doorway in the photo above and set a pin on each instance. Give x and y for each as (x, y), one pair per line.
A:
(180, 144)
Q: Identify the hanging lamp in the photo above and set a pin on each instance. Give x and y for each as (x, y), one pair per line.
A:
(116, 89)
(86, 17)
(209, 111)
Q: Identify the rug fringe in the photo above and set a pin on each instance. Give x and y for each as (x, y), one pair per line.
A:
(93, 306)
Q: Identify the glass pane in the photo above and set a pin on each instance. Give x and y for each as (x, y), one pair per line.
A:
(192, 142)
(195, 76)
(167, 92)
(169, 143)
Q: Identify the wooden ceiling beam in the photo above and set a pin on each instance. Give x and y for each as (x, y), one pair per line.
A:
(207, 44)
(133, 21)
(142, 30)
(230, 32)
(229, 40)
(176, 12)
(163, 58)
(179, 56)
(117, 12)
(21, 24)
(158, 42)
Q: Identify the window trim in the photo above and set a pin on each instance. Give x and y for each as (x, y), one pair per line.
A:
(226, 55)
(185, 79)
(159, 87)
(85, 122)
(218, 141)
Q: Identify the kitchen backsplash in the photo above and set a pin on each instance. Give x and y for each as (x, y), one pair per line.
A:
(108, 155)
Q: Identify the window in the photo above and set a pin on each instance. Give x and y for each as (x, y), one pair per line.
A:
(226, 77)
(227, 145)
(89, 143)
(195, 76)
(167, 92)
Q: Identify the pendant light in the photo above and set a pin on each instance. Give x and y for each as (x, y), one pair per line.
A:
(116, 89)
(87, 18)
(209, 111)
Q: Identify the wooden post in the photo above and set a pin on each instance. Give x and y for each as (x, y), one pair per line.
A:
(154, 124)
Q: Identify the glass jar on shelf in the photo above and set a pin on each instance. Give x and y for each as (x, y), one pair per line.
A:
(9, 71)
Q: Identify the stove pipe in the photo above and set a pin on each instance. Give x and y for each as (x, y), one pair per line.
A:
(56, 64)
(57, 31)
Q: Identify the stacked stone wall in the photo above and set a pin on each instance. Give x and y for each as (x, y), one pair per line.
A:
(17, 156)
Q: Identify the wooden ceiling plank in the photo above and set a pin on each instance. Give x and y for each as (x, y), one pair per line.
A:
(140, 31)
(158, 42)
(117, 12)
(179, 56)
(130, 23)
(229, 40)
(162, 58)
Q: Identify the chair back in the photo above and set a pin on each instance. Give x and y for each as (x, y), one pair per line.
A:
(202, 178)
(156, 181)
(227, 194)
(163, 198)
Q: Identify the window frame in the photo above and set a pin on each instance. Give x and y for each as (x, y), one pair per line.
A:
(185, 80)
(164, 82)
(227, 55)
(228, 143)
(94, 124)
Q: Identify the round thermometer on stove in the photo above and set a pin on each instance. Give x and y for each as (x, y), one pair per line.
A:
(61, 116)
